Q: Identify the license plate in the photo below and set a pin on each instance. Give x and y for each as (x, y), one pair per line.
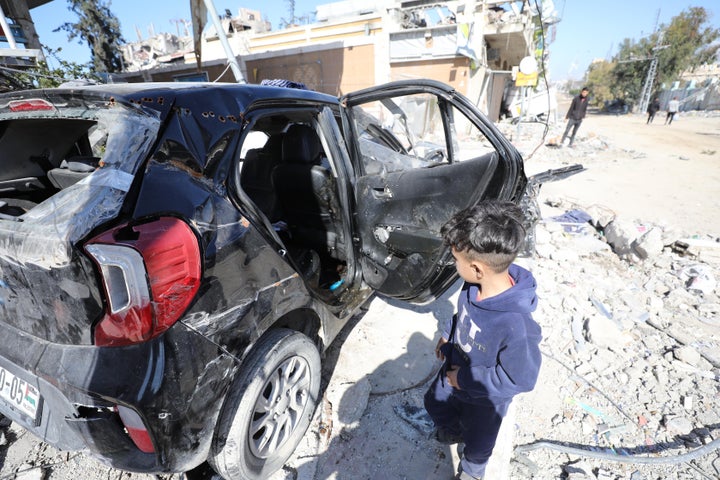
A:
(18, 393)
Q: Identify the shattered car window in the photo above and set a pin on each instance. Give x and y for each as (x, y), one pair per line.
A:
(468, 141)
(414, 131)
(79, 173)
(401, 133)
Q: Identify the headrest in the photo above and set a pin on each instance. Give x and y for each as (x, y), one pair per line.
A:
(301, 145)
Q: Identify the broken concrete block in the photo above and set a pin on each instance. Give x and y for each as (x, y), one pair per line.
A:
(648, 245)
(677, 425)
(620, 234)
(689, 355)
(604, 332)
(578, 470)
(601, 216)
(577, 332)
(603, 474)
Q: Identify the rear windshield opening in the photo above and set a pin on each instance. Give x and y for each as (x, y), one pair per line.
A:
(39, 157)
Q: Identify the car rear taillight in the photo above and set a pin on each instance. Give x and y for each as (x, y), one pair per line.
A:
(150, 272)
(30, 105)
(136, 429)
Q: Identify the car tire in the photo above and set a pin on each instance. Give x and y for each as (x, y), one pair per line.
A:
(268, 408)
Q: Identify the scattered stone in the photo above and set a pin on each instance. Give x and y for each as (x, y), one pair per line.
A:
(689, 355)
(650, 244)
(677, 425)
(30, 473)
(578, 471)
(603, 474)
(604, 332)
(621, 234)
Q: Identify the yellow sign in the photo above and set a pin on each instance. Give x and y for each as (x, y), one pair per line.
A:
(526, 79)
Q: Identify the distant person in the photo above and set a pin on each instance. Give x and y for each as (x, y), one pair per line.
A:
(652, 109)
(673, 107)
(490, 347)
(575, 115)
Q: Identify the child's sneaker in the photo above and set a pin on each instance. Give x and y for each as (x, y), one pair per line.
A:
(446, 437)
(465, 476)
(462, 475)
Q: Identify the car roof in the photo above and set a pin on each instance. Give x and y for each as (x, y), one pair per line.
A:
(160, 95)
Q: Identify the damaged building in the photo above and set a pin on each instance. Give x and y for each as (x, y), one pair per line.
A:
(19, 43)
(473, 45)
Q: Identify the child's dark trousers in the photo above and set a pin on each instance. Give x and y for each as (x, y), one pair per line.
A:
(478, 424)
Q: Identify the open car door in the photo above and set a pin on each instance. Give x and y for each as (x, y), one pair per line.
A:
(422, 152)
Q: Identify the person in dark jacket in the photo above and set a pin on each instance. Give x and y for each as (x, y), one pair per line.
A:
(490, 348)
(652, 109)
(575, 115)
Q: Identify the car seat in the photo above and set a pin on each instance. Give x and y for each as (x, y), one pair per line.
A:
(256, 176)
(306, 192)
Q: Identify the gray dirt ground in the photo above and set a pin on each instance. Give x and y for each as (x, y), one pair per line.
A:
(659, 175)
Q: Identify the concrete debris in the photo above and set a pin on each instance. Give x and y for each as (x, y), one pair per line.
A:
(30, 473)
(621, 234)
(677, 425)
(638, 326)
(631, 362)
(698, 277)
(578, 470)
(689, 355)
(649, 244)
(604, 332)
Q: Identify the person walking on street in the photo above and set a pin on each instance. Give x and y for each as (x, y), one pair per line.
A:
(673, 107)
(575, 115)
(652, 109)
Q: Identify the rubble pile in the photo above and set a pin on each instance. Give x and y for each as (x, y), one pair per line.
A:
(631, 351)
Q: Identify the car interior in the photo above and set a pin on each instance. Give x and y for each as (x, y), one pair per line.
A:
(290, 180)
(62, 158)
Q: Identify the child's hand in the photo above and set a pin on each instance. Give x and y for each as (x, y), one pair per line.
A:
(452, 377)
(438, 353)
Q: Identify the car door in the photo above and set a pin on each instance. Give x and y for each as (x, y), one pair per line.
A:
(421, 152)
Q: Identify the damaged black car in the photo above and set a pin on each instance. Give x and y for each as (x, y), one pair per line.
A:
(175, 258)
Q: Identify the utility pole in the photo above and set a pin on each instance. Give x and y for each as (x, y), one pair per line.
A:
(200, 10)
(652, 71)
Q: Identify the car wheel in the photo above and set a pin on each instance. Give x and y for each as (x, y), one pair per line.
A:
(269, 407)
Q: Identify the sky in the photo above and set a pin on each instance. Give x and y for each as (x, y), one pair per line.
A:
(595, 29)
(587, 29)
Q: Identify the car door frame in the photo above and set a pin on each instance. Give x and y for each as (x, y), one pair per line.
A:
(384, 269)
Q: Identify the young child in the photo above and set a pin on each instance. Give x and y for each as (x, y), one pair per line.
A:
(491, 346)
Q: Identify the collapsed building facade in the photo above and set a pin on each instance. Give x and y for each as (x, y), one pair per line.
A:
(473, 45)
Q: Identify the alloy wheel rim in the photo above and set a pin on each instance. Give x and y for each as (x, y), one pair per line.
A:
(279, 408)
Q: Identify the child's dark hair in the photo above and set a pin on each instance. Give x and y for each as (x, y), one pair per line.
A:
(491, 232)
